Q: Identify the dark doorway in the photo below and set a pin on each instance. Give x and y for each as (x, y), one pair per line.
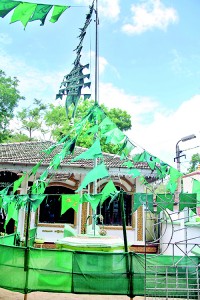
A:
(50, 208)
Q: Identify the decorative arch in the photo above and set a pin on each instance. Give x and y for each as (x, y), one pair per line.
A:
(111, 212)
(50, 208)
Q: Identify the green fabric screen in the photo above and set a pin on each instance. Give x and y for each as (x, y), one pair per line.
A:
(65, 271)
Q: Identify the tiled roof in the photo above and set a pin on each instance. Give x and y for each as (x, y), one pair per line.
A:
(32, 153)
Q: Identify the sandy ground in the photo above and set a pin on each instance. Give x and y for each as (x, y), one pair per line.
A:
(7, 295)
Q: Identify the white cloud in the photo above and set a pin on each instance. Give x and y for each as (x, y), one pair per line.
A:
(148, 15)
(107, 9)
(160, 136)
(33, 82)
(5, 39)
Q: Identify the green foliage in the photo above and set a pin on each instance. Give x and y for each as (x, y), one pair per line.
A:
(60, 124)
(9, 98)
(17, 138)
(31, 118)
(195, 161)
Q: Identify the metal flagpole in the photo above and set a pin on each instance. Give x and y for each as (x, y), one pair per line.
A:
(96, 100)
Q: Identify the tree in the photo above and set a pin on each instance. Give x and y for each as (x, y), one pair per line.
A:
(60, 125)
(31, 118)
(195, 161)
(9, 98)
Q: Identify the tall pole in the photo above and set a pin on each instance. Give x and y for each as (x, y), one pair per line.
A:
(178, 168)
(96, 99)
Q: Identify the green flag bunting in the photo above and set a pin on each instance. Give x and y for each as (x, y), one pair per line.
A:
(6, 6)
(70, 201)
(164, 201)
(98, 172)
(188, 200)
(93, 152)
(57, 12)
(41, 13)
(27, 12)
(143, 198)
(12, 213)
(196, 189)
(94, 200)
(23, 12)
(36, 200)
(18, 182)
(108, 189)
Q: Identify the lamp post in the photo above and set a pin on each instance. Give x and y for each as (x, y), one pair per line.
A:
(178, 155)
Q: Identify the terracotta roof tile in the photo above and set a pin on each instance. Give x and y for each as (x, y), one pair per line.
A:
(32, 153)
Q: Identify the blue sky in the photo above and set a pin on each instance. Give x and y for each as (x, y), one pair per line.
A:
(149, 64)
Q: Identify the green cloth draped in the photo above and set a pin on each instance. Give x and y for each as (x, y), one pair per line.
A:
(143, 198)
(188, 200)
(108, 189)
(196, 189)
(36, 200)
(93, 152)
(94, 200)
(164, 201)
(23, 12)
(98, 172)
(69, 201)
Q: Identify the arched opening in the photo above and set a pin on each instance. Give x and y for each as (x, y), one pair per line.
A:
(111, 212)
(50, 208)
(6, 179)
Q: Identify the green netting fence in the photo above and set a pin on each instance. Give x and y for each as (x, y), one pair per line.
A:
(27, 270)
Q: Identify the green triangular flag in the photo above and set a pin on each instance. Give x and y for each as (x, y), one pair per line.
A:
(164, 201)
(70, 201)
(196, 189)
(38, 187)
(93, 152)
(36, 200)
(171, 186)
(41, 13)
(188, 200)
(7, 6)
(18, 182)
(57, 12)
(12, 213)
(134, 172)
(143, 198)
(23, 12)
(106, 125)
(98, 172)
(108, 189)
(35, 168)
(114, 136)
(92, 199)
